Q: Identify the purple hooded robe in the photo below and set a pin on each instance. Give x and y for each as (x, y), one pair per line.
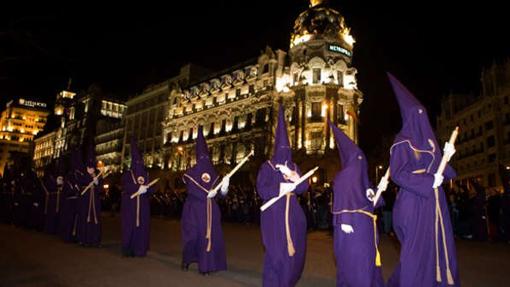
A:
(421, 222)
(89, 218)
(202, 235)
(283, 225)
(135, 213)
(53, 200)
(68, 222)
(357, 257)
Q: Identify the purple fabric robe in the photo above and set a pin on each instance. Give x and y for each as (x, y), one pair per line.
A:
(89, 218)
(355, 253)
(68, 223)
(280, 267)
(52, 203)
(415, 157)
(208, 252)
(33, 187)
(135, 213)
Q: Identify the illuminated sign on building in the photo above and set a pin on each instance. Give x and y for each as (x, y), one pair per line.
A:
(338, 49)
(32, 104)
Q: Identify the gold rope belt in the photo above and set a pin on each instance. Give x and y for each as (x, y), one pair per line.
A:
(374, 222)
(208, 211)
(92, 206)
(137, 211)
(290, 244)
(58, 200)
(209, 224)
(438, 222)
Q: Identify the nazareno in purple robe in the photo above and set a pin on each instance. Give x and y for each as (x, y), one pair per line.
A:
(89, 226)
(283, 225)
(52, 201)
(135, 213)
(68, 223)
(357, 256)
(427, 256)
(202, 235)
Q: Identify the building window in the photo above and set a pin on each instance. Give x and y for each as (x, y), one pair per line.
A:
(316, 75)
(238, 92)
(340, 78)
(265, 69)
(211, 130)
(489, 125)
(491, 158)
(223, 126)
(251, 89)
(491, 141)
(316, 110)
(260, 117)
(340, 114)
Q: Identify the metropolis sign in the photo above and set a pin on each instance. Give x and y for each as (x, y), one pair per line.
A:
(31, 103)
(338, 49)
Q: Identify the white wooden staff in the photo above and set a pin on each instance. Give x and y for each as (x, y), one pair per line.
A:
(385, 178)
(300, 180)
(444, 160)
(148, 185)
(214, 191)
(439, 224)
(92, 182)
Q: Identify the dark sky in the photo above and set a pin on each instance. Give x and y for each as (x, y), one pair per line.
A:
(431, 47)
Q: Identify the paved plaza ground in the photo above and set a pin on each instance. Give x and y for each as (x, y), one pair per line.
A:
(30, 258)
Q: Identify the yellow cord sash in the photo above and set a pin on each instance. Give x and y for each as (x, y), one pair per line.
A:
(374, 221)
(208, 212)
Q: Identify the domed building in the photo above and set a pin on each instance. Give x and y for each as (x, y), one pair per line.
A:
(237, 107)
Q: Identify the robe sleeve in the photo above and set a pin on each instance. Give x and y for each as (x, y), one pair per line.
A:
(268, 182)
(302, 187)
(402, 173)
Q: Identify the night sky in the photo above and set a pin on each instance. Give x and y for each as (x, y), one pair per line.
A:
(432, 48)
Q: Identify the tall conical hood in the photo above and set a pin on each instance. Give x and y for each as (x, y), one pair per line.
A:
(415, 122)
(281, 150)
(137, 163)
(201, 149)
(203, 172)
(352, 181)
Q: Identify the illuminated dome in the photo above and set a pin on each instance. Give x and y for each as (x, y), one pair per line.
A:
(320, 22)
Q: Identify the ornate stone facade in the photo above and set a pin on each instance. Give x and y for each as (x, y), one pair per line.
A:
(236, 107)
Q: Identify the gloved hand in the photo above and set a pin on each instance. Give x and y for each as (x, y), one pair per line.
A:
(286, 187)
(96, 181)
(224, 185)
(383, 185)
(438, 180)
(347, 228)
(370, 194)
(142, 189)
(284, 169)
(448, 150)
(211, 194)
(36, 204)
